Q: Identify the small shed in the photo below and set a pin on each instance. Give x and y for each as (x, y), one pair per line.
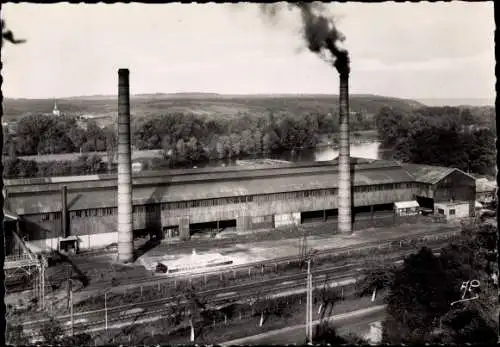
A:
(406, 208)
(453, 210)
(68, 244)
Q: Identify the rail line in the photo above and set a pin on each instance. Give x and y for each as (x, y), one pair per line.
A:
(139, 281)
(86, 320)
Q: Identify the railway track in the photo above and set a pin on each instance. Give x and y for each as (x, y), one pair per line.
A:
(131, 282)
(216, 296)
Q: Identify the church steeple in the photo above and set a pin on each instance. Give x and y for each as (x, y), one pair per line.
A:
(55, 111)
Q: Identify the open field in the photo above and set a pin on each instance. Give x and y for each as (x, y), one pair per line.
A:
(204, 104)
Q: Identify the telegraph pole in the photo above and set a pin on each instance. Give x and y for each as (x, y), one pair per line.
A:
(106, 311)
(71, 306)
(68, 285)
(309, 305)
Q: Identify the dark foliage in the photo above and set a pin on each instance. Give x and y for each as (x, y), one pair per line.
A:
(419, 304)
(447, 136)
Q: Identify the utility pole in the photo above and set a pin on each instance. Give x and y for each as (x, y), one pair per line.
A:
(106, 311)
(309, 311)
(71, 303)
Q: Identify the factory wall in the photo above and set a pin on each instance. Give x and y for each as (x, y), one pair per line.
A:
(259, 211)
(249, 211)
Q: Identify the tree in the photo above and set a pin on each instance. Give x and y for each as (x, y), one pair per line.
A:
(328, 297)
(374, 278)
(52, 332)
(418, 296)
(195, 306)
(83, 340)
(461, 326)
(327, 334)
(15, 335)
(419, 304)
(235, 144)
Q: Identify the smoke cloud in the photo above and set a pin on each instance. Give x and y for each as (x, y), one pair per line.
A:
(318, 30)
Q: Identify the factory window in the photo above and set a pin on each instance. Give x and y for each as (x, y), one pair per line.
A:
(79, 214)
(440, 211)
(452, 212)
(250, 198)
(150, 208)
(45, 217)
(164, 206)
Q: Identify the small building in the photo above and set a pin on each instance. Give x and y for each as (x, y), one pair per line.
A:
(452, 210)
(485, 190)
(137, 167)
(406, 208)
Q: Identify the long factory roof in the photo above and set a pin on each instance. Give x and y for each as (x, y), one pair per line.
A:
(198, 184)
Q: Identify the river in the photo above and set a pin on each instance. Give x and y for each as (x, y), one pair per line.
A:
(368, 150)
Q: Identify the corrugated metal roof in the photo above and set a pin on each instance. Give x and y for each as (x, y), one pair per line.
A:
(406, 204)
(27, 203)
(484, 185)
(428, 174)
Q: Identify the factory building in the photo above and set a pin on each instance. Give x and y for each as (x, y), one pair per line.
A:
(81, 211)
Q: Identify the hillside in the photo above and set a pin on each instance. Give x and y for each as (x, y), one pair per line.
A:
(207, 104)
(475, 102)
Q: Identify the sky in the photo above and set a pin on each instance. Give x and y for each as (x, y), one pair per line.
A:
(407, 50)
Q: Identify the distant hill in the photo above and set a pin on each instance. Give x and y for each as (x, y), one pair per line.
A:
(458, 102)
(211, 104)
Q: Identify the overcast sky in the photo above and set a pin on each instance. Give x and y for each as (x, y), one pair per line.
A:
(417, 50)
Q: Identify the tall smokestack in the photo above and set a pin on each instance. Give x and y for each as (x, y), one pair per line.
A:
(322, 38)
(125, 227)
(344, 197)
(64, 211)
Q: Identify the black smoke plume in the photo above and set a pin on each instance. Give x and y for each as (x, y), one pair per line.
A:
(318, 30)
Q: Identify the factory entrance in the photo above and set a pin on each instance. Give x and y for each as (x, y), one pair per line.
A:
(170, 231)
(383, 210)
(361, 213)
(211, 228)
(312, 216)
(318, 216)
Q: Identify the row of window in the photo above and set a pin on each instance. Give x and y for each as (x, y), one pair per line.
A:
(151, 208)
(94, 212)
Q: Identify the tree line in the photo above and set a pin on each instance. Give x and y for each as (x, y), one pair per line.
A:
(84, 165)
(444, 136)
(242, 134)
(43, 134)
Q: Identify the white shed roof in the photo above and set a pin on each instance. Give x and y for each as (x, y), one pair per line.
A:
(406, 204)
